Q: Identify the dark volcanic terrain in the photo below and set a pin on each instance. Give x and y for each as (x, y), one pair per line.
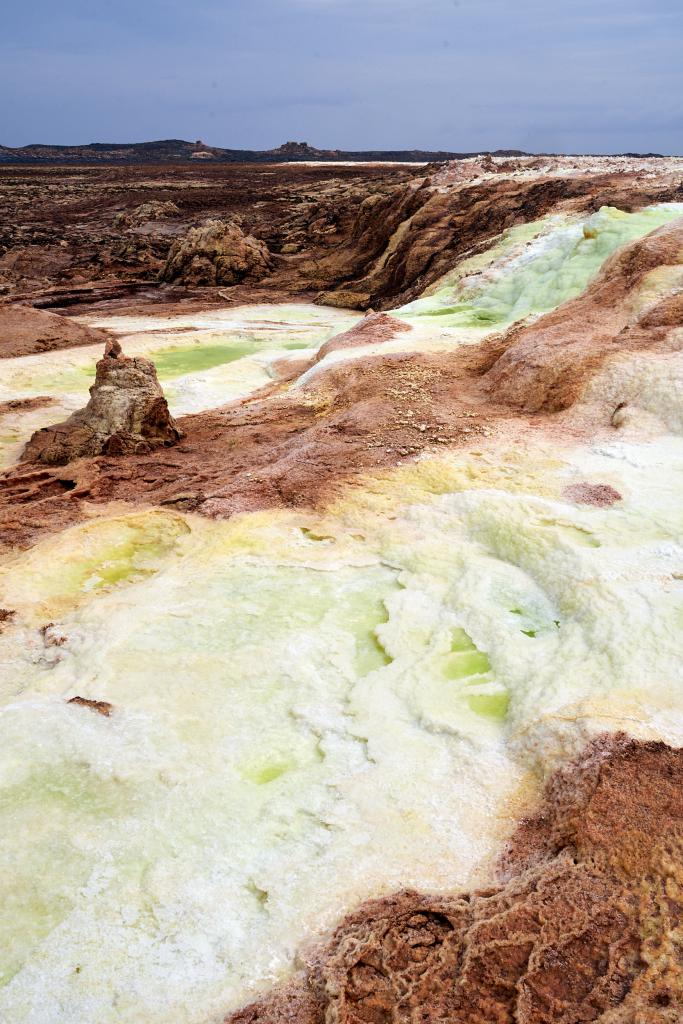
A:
(355, 236)
(76, 234)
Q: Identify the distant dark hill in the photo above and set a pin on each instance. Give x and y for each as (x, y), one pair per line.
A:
(169, 150)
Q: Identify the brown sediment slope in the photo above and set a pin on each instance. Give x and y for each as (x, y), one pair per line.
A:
(585, 924)
(24, 331)
(284, 447)
(546, 365)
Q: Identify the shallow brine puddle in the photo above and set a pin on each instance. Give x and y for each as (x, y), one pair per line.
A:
(203, 361)
(308, 712)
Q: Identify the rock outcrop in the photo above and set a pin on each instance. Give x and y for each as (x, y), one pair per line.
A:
(146, 212)
(127, 413)
(585, 925)
(373, 329)
(217, 253)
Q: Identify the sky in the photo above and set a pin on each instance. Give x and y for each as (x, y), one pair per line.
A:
(538, 75)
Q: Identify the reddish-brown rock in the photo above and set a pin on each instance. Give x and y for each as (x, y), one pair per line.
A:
(600, 495)
(373, 329)
(101, 707)
(145, 213)
(585, 924)
(546, 365)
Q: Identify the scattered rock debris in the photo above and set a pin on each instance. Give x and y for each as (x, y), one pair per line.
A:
(102, 707)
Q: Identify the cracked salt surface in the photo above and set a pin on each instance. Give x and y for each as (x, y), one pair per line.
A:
(309, 712)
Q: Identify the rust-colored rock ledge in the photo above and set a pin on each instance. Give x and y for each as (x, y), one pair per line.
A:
(585, 923)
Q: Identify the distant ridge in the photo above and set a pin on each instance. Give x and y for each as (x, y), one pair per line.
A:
(169, 150)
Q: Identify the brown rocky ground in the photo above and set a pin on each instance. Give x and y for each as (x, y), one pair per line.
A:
(585, 923)
(361, 236)
(294, 443)
(77, 234)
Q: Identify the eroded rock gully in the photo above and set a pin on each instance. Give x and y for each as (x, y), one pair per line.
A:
(585, 923)
(403, 240)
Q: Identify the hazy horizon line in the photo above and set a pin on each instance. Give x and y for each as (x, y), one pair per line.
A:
(323, 148)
